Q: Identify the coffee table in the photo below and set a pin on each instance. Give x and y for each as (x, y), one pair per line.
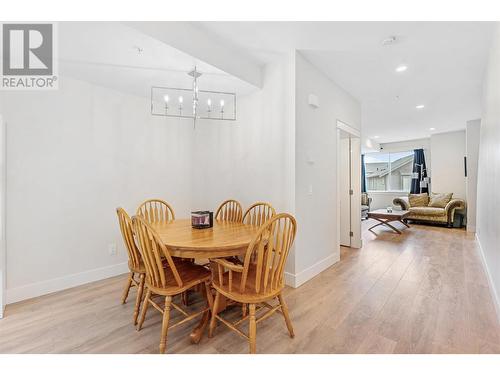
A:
(385, 218)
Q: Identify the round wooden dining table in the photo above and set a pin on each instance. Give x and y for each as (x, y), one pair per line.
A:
(224, 239)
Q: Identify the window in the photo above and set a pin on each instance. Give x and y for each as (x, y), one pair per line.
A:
(389, 171)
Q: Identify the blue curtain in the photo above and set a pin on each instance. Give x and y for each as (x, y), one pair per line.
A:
(363, 174)
(420, 168)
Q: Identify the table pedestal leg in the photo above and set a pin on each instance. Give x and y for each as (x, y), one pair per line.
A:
(199, 330)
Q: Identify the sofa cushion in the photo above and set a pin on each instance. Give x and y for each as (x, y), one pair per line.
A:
(418, 200)
(440, 200)
(427, 211)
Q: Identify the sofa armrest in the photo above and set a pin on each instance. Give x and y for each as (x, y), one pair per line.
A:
(402, 201)
(454, 204)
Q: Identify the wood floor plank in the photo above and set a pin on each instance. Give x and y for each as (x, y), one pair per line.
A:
(424, 291)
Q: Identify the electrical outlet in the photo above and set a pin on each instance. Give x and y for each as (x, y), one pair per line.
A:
(112, 249)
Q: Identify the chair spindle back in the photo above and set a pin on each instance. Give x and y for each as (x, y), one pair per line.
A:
(152, 250)
(127, 231)
(267, 254)
(258, 213)
(229, 210)
(156, 211)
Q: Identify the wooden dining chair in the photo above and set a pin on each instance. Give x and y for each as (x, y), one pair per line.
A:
(135, 263)
(169, 281)
(229, 210)
(257, 283)
(258, 213)
(156, 211)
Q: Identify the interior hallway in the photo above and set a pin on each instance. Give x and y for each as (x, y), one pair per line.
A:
(422, 292)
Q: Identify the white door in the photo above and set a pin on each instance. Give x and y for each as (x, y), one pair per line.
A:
(349, 185)
(344, 188)
(355, 156)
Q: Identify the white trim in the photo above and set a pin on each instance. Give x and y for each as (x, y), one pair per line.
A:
(494, 292)
(471, 228)
(296, 280)
(348, 129)
(54, 285)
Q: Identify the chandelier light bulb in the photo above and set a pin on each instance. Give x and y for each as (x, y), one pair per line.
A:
(166, 98)
(209, 102)
(222, 103)
(181, 99)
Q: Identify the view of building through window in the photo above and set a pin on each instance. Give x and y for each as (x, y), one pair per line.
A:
(389, 171)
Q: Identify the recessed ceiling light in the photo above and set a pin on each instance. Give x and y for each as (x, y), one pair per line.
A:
(376, 136)
(420, 106)
(401, 68)
(431, 129)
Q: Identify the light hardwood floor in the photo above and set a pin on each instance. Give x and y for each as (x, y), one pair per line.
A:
(422, 292)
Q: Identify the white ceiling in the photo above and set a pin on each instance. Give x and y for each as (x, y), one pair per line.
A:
(445, 60)
(105, 53)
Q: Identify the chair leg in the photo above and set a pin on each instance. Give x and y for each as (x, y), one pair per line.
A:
(138, 298)
(144, 309)
(252, 329)
(185, 298)
(244, 307)
(213, 321)
(284, 309)
(164, 327)
(127, 287)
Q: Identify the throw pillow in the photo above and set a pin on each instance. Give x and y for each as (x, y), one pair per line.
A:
(418, 200)
(440, 200)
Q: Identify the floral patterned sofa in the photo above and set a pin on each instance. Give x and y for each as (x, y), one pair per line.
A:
(423, 212)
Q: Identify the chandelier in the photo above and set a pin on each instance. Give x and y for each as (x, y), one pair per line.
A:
(193, 103)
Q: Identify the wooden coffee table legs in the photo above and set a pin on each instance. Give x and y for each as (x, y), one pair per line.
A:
(387, 222)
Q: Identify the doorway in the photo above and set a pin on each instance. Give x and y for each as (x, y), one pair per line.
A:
(349, 185)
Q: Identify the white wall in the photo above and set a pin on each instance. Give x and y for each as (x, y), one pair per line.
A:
(74, 155)
(3, 278)
(447, 163)
(248, 159)
(316, 166)
(251, 159)
(488, 202)
(472, 139)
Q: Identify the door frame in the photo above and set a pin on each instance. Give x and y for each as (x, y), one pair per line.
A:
(355, 182)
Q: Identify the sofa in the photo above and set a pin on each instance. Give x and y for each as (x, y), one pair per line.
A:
(422, 212)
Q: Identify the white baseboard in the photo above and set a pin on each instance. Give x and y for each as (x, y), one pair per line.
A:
(496, 296)
(54, 285)
(296, 280)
